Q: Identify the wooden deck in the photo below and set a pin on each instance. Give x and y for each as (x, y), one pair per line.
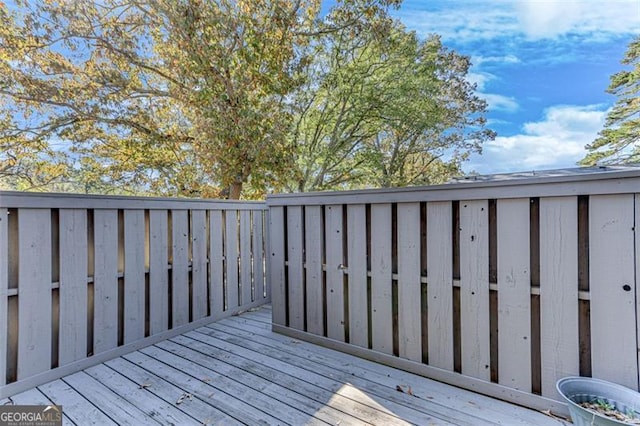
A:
(236, 371)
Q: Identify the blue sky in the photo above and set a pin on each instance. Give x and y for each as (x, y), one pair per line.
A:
(542, 65)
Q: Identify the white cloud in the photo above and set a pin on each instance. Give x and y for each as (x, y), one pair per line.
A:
(501, 60)
(556, 141)
(463, 21)
(497, 102)
(480, 79)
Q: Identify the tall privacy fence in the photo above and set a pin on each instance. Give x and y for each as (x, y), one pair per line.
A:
(501, 287)
(85, 278)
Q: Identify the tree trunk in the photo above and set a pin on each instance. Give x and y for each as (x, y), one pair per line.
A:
(235, 190)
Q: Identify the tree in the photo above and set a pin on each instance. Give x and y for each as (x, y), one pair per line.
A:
(384, 109)
(618, 141)
(175, 97)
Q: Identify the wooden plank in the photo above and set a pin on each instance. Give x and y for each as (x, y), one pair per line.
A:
(335, 272)
(564, 184)
(199, 264)
(134, 284)
(474, 289)
(409, 286)
(231, 255)
(138, 396)
(559, 348)
(4, 290)
(167, 391)
(74, 405)
(231, 397)
(120, 410)
(246, 285)
(457, 405)
(158, 271)
(290, 407)
(313, 236)
(440, 284)
(34, 284)
(37, 397)
(295, 272)
(257, 248)
(389, 412)
(514, 293)
(216, 267)
(304, 396)
(105, 280)
(357, 264)
(612, 289)
(636, 231)
(381, 289)
(73, 285)
(179, 267)
(275, 257)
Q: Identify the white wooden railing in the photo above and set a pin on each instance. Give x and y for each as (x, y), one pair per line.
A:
(501, 287)
(87, 278)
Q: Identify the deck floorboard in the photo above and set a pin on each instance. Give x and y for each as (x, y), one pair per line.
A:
(237, 371)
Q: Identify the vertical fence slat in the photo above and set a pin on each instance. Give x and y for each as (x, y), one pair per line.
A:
(258, 255)
(612, 288)
(231, 254)
(73, 285)
(245, 258)
(179, 267)
(409, 287)
(216, 264)
(4, 287)
(199, 264)
(295, 273)
(335, 274)
(34, 284)
(440, 284)
(636, 231)
(134, 285)
(313, 259)
(474, 289)
(158, 271)
(559, 348)
(381, 290)
(276, 265)
(105, 281)
(514, 294)
(357, 266)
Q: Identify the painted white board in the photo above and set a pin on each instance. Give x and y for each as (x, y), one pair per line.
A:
(158, 271)
(179, 267)
(216, 263)
(199, 264)
(409, 286)
(474, 288)
(381, 285)
(357, 267)
(559, 332)
(231, 256)
(313, 272)
(514, 293)
(440, 284)
(105, 280)
(295, 273)
(275, 257)
(134, 281)
(334, 274)
(246, 285)
(34, 286)
(4, 287)
(612, 289)
(73, 285)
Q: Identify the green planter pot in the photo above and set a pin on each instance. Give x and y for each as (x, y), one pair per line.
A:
(577, 390)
